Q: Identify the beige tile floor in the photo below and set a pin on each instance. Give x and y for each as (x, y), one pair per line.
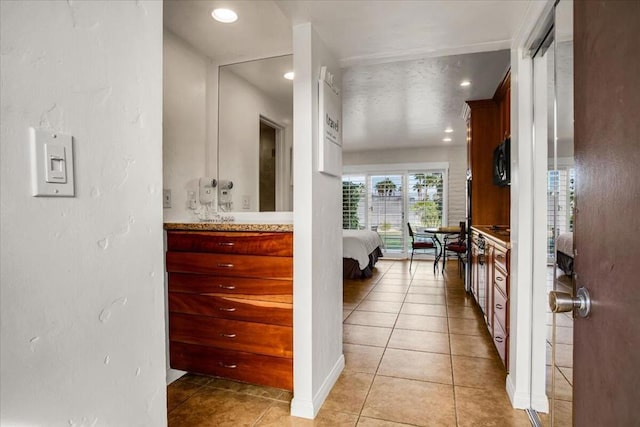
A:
(416, 353)
(559, 371)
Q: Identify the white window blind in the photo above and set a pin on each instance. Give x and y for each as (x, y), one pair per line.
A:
(560, 205)
(385, 200)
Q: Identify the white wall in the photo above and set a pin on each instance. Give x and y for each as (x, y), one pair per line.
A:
(456, 156)
(185, 123)
(241, 105)
(82, 313)
(317, 218)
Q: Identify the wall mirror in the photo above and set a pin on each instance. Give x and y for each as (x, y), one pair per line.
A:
(255, 134)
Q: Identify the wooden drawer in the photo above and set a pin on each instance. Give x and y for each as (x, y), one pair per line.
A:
(501, 280)
(244, 243)
(247, 367)
(230, 265)
(228, 307)
(501, 341)
(270, 340)
(500, 308)
(501, 259)
(200, 283)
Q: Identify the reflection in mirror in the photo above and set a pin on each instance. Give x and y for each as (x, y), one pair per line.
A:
(255, 133)
(560, 212)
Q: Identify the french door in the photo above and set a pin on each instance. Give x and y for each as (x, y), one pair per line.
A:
(384, 201)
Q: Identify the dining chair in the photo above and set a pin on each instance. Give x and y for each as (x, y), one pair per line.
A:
(456, 244)
(420, 243)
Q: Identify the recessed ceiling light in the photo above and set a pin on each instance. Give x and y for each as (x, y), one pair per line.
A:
(289, 75)
(465, 83)
(448, 130)
(446, 139)
(226, 16)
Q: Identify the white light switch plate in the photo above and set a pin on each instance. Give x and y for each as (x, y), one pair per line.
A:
(51, 164)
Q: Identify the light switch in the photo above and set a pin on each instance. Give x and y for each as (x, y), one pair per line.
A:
(55, 161)
(51, 164)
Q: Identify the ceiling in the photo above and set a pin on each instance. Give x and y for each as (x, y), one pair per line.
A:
(402, 60)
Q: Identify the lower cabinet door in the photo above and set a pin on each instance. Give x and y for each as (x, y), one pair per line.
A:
(252, 368)
(501, 341)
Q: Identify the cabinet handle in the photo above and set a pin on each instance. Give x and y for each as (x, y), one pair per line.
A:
(499, 339)
(499, 278)
(229, 287)
(224, 365)
(227, 308)
(223, 265)
(226, 243)
(227, 335)
(499, 306)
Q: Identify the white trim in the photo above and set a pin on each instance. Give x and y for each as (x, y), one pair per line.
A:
(174, 374)
(395, 167)
(519, 400)
(305, 408)
(282, 170)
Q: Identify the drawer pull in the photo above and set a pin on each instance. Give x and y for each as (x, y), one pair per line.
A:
(226, 244)
(500, 256)
(224, 365)
(499, 278)
(227, 335)
(229, 287)
(499, 306)
(227, 309)
(499, 339)
(223, 265)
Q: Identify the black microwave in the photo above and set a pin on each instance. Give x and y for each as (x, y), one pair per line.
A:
(502, 164)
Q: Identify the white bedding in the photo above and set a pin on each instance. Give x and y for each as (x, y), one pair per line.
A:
(358, 244)
(564, 244)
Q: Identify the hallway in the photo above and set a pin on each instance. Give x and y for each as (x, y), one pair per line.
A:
(417, 353)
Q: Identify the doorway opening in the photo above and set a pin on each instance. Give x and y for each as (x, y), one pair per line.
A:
(272, 166)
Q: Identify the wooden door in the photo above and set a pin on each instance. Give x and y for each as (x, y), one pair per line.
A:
(607, 151)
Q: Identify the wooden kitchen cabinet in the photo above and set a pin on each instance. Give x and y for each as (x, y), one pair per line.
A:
(488, 124)
(490, 250)
(231, 305)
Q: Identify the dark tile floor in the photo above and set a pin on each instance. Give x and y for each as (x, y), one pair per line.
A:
(417, 353)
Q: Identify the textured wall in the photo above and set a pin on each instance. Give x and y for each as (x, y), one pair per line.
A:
(317, 218)
(82, 313)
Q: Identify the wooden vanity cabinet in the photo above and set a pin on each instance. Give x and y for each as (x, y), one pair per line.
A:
(490, 286)
(231, 305)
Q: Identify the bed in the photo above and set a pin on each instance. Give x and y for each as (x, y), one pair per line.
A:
(361, 250)
(564, 253)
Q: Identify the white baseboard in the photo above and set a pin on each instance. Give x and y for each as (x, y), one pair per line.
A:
(540, 403)
(173, 374)
(518, 400)
(305, 408)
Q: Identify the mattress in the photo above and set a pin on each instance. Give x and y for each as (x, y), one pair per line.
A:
(358, 244)
(564, 244)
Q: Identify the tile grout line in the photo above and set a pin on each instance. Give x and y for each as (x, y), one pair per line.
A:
(375, 374)
(453, 382)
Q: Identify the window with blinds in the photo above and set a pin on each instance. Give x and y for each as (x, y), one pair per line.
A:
(426, 197)
(354, 194)
(560, 206)
(384, 201)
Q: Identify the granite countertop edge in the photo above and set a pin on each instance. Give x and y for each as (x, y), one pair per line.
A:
(500, 236)
(211, 226)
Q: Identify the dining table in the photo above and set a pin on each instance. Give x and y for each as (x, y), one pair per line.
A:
(443, 232)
